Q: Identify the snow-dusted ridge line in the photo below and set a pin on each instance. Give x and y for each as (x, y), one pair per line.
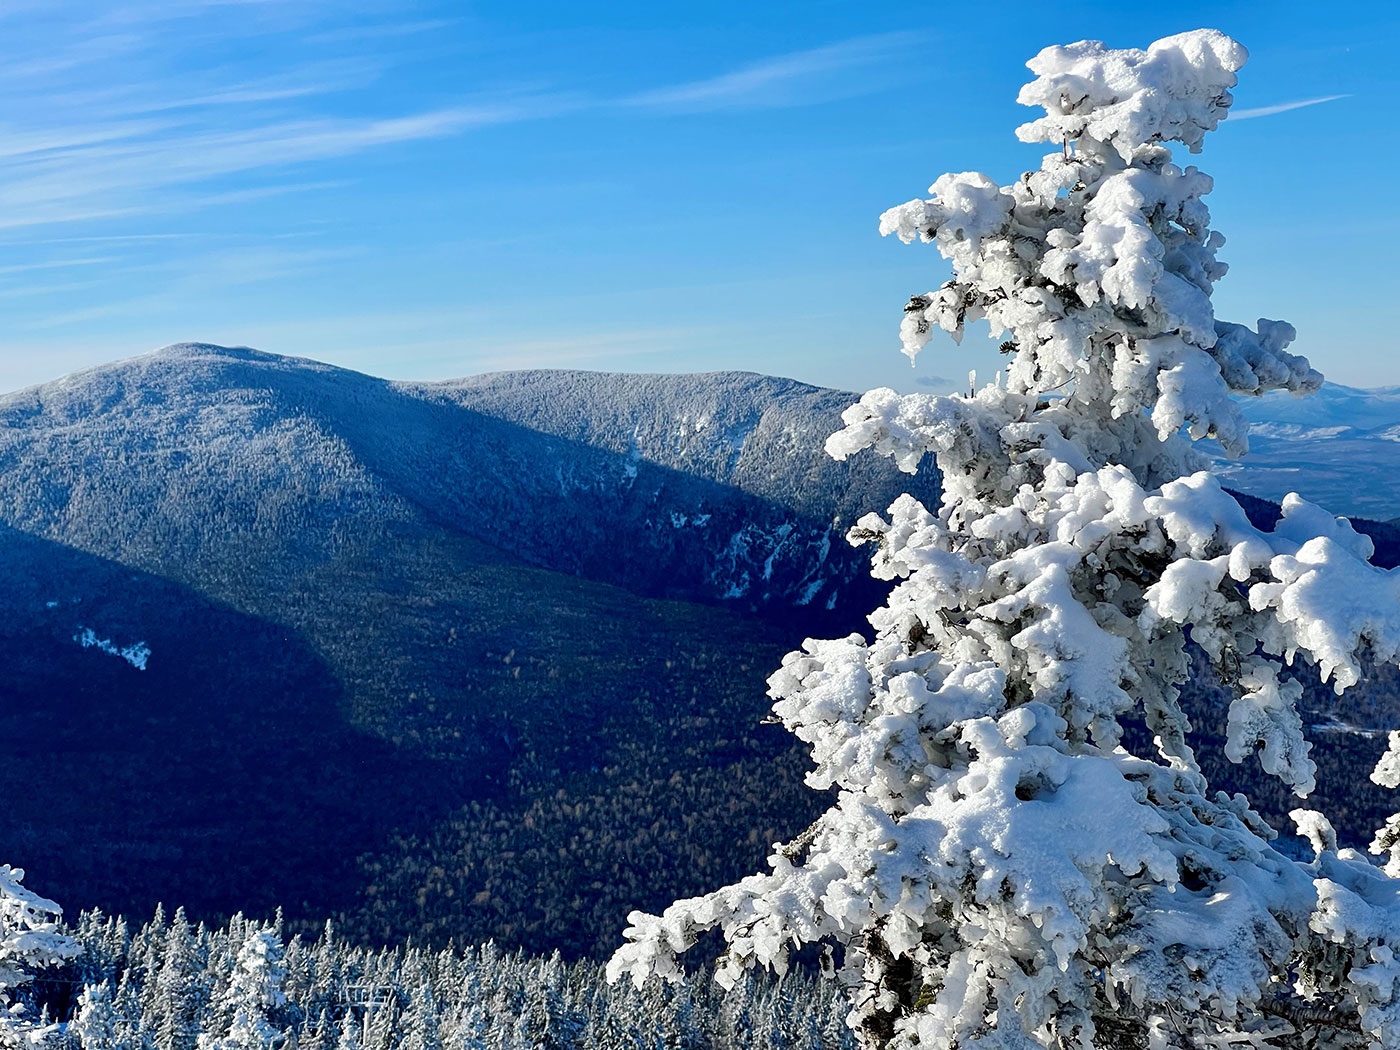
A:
(1340, 448)
(625, 453)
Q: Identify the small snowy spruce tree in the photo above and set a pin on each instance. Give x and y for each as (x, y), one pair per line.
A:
(1008, 863)
(253, 994)
(94, 1025)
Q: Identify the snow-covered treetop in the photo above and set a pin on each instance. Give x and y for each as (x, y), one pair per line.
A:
(1175, 91)
(1010, 862)
(254, 990)
(1100, 266)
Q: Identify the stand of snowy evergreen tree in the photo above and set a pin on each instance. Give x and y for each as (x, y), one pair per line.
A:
(176, 986)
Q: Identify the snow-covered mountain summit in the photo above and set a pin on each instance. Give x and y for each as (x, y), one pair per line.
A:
(192, 452)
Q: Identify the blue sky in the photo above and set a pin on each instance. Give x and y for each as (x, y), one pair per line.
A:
(429, 189)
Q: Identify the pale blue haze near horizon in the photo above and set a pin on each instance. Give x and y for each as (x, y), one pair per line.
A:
(432, 189)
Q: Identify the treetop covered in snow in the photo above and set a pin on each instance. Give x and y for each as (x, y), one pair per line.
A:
(1100, 266)
(1175, 91)
(1023, 850)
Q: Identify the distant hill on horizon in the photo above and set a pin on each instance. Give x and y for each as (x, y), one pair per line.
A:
(733, 457)
(1339, 448)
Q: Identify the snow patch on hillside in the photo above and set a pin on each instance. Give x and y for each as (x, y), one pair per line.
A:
(136, 654)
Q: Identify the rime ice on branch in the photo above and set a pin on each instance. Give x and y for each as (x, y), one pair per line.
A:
(30, 942)
(998, 868)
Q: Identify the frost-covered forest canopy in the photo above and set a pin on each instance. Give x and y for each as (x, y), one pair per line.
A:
(1083, 636)
(172, 985)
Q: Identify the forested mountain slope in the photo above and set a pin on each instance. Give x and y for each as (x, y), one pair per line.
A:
(404, 652)
(473, 659)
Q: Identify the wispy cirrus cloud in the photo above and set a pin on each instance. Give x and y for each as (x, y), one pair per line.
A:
(116, 170)
(140, 12)
(112, 129)
(155, 107)
(315, 78)
(379, 31)
(57, 264)
(126, 120)
(223, 268)
(121, 167)
(1281, 107)
(796, 78)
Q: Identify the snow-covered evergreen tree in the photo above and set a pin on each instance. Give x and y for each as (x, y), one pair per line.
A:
(349, 1033)
(317, 1033)
(134, 1031)
(421, 1030)
(252, 995)
(1023, 851)
(95, 1024)
(181, 994)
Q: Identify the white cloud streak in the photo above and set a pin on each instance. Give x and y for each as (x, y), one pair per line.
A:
(798, 78)
(380, 31)
(106, 119)
(110, 119)
(1281, 107)
(123, 167)
(57, 264)
(120, 170)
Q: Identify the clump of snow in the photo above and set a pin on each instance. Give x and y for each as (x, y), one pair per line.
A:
(136, 654)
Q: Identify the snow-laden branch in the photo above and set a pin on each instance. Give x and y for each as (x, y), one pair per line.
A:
(31, 941)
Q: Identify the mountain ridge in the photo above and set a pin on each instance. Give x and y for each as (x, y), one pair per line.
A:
(773, 521)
